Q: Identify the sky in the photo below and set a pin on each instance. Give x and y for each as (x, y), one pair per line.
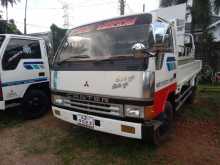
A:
(41, 14)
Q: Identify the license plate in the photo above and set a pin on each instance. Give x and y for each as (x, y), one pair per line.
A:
(85, 121)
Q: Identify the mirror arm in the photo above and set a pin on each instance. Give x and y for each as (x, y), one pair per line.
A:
(150, 54)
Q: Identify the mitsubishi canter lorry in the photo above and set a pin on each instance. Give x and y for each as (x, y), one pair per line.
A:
(24, 75)
(125, 76)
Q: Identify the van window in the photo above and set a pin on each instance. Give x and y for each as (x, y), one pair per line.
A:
(18, 49)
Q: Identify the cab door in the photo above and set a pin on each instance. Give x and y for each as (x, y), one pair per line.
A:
(22, 65)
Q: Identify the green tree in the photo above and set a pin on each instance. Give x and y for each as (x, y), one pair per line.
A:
(166, 3)
(57, 36)
(0, 14)
(12, 28)
(8, 27)
(216, 6)
(201, 14)
(180, 1)
(5, 3)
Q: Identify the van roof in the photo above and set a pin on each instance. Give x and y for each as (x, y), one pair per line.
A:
(21, 36)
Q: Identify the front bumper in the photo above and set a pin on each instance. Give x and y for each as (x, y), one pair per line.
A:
(108, 125)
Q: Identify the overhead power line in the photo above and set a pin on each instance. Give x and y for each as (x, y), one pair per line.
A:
(70, 6)
(33, 25)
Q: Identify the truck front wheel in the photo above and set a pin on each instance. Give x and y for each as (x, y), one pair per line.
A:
(35, 104)
(166, 119)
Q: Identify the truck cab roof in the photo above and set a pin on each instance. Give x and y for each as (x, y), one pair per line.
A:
(142, 16)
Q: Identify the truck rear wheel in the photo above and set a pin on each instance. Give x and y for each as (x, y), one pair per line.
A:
(35, 104)
(159, 134)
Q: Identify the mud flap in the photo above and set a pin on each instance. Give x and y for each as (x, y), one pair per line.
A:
(149, 129)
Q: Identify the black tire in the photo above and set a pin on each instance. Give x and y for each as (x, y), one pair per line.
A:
(35, 104)
(166, 118)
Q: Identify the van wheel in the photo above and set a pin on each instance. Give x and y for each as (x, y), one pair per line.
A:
(159, 134)
(35, 104)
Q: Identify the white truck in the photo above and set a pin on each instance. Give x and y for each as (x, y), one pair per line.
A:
(125, 76)
(24, 75)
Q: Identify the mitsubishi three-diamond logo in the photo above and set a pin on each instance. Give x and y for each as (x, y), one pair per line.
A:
(86, 84)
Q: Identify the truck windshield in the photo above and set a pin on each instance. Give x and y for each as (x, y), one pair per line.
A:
(1, 40)
(105, 40)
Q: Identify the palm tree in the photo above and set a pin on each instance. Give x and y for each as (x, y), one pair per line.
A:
(5, 4)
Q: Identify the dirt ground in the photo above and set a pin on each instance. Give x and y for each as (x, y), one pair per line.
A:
(194, 140)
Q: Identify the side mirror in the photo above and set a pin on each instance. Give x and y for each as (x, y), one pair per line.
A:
(138, 49)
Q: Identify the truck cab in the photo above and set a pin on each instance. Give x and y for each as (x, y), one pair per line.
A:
(122, 76)
(24, 75)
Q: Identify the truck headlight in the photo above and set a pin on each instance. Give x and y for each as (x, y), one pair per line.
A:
(134, 111)
(56, 99)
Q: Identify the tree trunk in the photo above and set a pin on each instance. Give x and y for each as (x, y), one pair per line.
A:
(6, 27)
(6, 7)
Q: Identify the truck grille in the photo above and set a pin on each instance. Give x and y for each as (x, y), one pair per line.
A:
(92, 106)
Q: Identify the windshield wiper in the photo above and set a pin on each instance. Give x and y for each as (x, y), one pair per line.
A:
(73, 57)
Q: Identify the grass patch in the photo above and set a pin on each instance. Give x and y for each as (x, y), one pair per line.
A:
(206, 106)
(209, 88)
(39, 141)
(88, 147)
(81, 146)
(200, 113)
(10, 118)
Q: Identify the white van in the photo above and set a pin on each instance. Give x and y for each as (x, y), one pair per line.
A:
(24, 75)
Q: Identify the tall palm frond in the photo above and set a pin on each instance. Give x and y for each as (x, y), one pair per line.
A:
(5, 3)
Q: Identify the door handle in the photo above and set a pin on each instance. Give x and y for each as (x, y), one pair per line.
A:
(41, 74)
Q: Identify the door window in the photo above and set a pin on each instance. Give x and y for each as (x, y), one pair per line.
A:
(163, 41)
(19, 49)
